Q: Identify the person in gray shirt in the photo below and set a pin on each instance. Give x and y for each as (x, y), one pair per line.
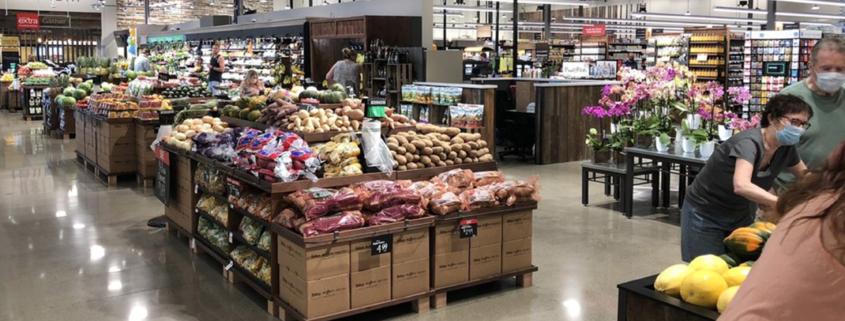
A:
(740, 172)
(142, 63)
(347, 72)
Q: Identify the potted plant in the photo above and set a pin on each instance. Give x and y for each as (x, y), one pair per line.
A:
(662, 142)
(690, 137)
(600, 147)
(706, 142)
(725, 130)
(618, 142)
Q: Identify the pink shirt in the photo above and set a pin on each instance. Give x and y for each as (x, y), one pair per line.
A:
(795, 278)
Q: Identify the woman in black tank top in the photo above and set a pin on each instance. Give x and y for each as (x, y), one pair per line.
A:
(216, 68)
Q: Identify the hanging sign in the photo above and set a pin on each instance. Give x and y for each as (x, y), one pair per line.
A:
(28, 21)
(598, 30)
(54, 21)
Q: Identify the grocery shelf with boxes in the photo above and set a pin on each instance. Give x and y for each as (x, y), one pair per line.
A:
(667, 48)
(708, 54)
(324, 231)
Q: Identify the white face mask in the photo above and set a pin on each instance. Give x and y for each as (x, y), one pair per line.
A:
(830, 82)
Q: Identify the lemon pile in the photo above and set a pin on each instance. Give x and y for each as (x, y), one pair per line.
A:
(708, 281)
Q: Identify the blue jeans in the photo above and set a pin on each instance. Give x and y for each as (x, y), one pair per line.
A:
(704, 233)
(211, 84)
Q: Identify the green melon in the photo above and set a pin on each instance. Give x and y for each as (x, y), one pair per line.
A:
(80, 94)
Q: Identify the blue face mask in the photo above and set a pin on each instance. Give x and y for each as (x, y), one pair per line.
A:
(789, 135)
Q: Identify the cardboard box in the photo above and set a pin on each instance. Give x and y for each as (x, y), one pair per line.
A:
(370, 286)
(450, 269)
(485, 262)
(517, 225)
(117, 130)
(447, 238)
(411, 278)
(316, 263)
(516, 255)
(361, 258)
(410, 245)
(489, 231)
(316, 298)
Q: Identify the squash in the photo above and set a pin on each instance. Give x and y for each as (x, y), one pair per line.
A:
(731, 258)
(764, 226)
(746, 242)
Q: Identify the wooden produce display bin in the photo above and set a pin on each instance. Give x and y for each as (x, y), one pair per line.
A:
(79, 118)
(67, 123)
(500, 248)
(51, 115)
(638, 301)
(91, 137)
(115, 145)
(145, 165)
(180, 209)
(4, 95)
(332, 276)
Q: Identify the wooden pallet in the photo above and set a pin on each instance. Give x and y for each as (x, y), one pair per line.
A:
(524, 279)
(89, 166)
(199, 246)
(172, 227)
(144, 181)
(66, 136)
(99, 173)
(240, 275)
(419, 304)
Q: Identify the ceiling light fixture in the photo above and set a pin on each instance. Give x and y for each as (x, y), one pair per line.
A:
(815, 7)
(549, 2)
(649, 22)
(449, 14)
(818, 24)
(325, 3)
(697, 17)
(779, 13)
(461, 8)
(819, 2)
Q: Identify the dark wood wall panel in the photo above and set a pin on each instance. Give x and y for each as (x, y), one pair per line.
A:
(561, 129)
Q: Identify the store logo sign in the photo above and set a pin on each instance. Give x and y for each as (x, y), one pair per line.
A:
(598, 30)
(55, 21)
(28, 21)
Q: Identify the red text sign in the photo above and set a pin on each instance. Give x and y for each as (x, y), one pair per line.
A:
(594, 30)
(28, 21)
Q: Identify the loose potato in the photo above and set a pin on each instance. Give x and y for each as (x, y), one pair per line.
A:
(392, 146)
(393, 153)
(410, 147)
(435, 158)
(476, 136)
(428, 142)
(425, 160)
(427, 151)
(419, 144)
(392, 140)
(409, 156)
(441, 163)
(473, 145)
(444, 137)
(482, 143)
(443, 156)
(452, 131)
(452, 155)
(457, 140)
(420, 165)
(466, 147)
(473, 154)
(437, 150)
(416, 158)
(412, 165)
(483, 151)
(467, 160)
(402, 140)
(475, 159)
(462, 154)
(401, 150)
(458, 161)
(401, 160)
(486, 158)
(450, 162)
(456, 148)
(446, 145)
(402, 168)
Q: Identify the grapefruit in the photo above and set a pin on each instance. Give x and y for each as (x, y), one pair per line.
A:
(702, 288)
(725, 298)
(735, 276)
(669, 281)
(709, 262)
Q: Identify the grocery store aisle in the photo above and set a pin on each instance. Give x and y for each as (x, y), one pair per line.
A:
(72, 249)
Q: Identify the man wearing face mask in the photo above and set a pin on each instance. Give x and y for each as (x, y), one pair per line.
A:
(823, 91)
(739, 174)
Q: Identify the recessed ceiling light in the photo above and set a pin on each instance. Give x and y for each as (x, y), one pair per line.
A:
(815, 7)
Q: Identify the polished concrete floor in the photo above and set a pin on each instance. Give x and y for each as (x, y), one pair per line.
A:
(72, 249)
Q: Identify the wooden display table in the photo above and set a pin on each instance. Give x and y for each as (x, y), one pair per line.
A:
(639, 302)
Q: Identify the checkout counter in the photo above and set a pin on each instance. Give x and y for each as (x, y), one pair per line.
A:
(555, 118)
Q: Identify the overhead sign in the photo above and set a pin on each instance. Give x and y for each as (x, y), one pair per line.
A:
(28, 21)
(54, 21)
(10, 43)
(598, 30)
(168, 38)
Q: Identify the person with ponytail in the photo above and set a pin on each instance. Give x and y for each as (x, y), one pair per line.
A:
(347, 71)
(801, 273)
(739, 174)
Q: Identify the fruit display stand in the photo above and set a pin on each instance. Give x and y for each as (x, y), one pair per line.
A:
(67, 123)
(115, 148)
(481, 246)
(180, 211)
(145, 135)
(638, 301)
(4, 95)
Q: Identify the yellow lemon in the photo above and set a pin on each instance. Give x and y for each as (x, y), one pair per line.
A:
(702, 288)
(736, 276)
(709, 262)
(669, 281)
(725, 298)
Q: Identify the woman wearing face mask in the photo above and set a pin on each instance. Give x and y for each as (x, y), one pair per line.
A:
(739, 172)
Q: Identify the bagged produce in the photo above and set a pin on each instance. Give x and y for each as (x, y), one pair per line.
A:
(202, 226)
(474, 199)
(329, 224)
(255, 266)
(241, 254)
(512, 192)
(317, 202)
(381, 194)
(210, 179)
(264, 241)
(396, 214)
(340, 156)
(289, 218)
(487, 178)
(459, 179)
(251, 230)
(445, 203)
(264, 274)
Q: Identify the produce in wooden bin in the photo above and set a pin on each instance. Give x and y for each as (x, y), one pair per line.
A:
(182, 134)
(432, 146)
(340, 155)
(277, 113)
(395, 120)
(320, 121)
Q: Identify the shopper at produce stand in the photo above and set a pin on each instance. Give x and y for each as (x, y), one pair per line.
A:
(801, 273)
(251, 86)
(346, 72)
(142, 63)
(216, 68)
(740, 172)
(823, 92)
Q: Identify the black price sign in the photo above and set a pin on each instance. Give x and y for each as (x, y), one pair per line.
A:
(381, 244)
(469, 228)
(162, 180)
(164, 76)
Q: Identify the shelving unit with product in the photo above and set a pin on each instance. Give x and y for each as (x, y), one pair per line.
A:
(32, 102)
(620, 50)
(562, 52)
(735, 60)
(666, 48)
(773, 61)
(592, 48)
(385, 79)
(708, 51)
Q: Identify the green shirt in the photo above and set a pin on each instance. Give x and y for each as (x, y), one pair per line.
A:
(827, 127)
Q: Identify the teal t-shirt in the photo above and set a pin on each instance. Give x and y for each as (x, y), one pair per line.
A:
(827, 127)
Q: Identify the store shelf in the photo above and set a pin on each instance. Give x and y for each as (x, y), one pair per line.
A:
(628, 44)
(245, 213)
(198, 188)
(252, 281)
(213, 251)
(239, 237)
(210, 218)
(692, 43)
(706, 66)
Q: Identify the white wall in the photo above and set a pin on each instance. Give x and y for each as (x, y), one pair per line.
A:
(61, 5)
(108, 22)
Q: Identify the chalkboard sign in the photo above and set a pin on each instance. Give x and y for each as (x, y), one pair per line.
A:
(381, 244)
(469, 228)
(164, 76)
(162, 180)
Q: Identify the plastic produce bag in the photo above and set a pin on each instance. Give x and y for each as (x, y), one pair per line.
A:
(375, 149)
(251, 230)
(264, 241)
(396, 214)
(445, 203)
(474, 199)
(330, 224)
(240, 254)
(460, 179)
(289, 218)
(264, 274)
(487, 178)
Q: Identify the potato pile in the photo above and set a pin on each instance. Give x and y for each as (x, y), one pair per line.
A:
(395, 120)
(181, 135)
(431, 146)
(320, 121)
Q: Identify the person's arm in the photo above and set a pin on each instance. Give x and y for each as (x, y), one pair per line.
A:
(798, 170)
(330, 74)
(221, 63)
(743, 186)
